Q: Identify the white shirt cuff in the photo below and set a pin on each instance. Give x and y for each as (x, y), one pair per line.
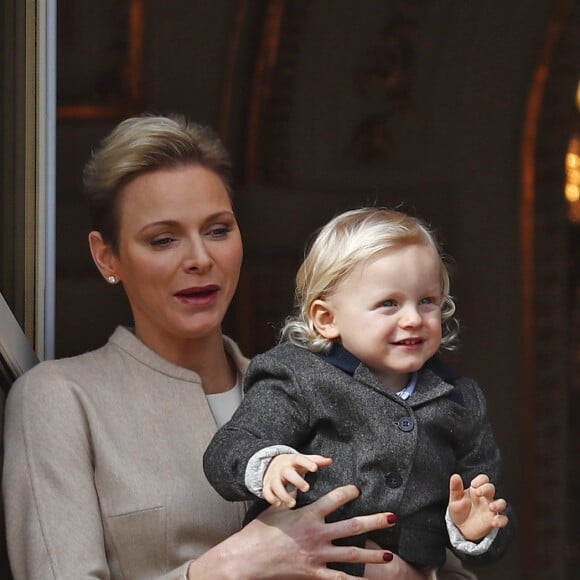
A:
(464, 546)
(258, 464)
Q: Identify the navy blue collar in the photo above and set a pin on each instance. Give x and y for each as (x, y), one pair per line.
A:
(436, 365)
(341, 358)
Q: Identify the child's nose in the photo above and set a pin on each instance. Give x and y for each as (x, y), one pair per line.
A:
(410, 317)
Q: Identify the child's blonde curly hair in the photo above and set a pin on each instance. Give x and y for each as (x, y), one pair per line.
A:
(342, 244)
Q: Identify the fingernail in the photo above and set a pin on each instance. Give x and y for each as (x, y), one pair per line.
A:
(392, 519)
(387, 557)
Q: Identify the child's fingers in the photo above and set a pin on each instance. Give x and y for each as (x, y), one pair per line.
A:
(310, 463)
(479, 480)
(500, 521)
(302, 463)
(498, 505)
(486, 490)
(288, 469)
(280, 490)
(294, 478)
(319, 460)
(269, 496)
(455, 488)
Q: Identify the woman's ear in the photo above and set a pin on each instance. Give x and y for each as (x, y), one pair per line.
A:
(103, 256)
(322, 317)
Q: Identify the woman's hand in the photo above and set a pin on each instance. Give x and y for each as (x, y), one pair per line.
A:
(397, 569)
(294, 544)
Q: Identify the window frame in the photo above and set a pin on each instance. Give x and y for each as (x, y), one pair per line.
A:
(29, 74)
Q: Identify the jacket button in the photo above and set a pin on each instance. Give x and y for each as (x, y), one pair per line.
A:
(406, 424)
(393, 479)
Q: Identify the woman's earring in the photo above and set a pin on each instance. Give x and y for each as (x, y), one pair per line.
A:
(112, 279)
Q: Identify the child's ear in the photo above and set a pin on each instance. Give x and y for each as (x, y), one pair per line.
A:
(323, 319)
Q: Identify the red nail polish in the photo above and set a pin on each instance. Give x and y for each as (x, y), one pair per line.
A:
(392, 519)
(387, 557)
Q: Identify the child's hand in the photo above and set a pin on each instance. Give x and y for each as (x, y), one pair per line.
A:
(474, 510)
(288, 468)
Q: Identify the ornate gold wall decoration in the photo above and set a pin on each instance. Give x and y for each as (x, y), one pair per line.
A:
(385, 74)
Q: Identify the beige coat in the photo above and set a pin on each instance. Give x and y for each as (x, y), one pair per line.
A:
(102, 472)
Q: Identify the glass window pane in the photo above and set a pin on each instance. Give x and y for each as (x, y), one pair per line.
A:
(12, 157)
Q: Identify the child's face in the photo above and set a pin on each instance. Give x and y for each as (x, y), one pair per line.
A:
(387, 312)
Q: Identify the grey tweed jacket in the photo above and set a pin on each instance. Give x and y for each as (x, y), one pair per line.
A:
(399, 453)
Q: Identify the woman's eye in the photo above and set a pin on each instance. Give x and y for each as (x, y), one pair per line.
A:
(426, 301)
(162, 241)
(219, 231)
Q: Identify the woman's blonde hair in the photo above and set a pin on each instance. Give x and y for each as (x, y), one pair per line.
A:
(342, 244)
(141, 144)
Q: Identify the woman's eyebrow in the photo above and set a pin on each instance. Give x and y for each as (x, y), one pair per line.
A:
(218, 214)
(210, 218)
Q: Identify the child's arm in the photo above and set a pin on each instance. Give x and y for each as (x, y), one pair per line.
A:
(477, 453)
(287, 469)
(474, 510)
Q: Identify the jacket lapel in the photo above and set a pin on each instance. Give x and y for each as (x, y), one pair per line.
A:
(430, 386)
(431, 383)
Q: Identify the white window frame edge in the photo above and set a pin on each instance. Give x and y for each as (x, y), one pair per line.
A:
(41, 130)
(15, 348)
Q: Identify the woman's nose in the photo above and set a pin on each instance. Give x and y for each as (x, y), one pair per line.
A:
(198, 259)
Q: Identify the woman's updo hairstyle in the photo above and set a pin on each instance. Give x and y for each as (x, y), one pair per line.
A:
(139, 145)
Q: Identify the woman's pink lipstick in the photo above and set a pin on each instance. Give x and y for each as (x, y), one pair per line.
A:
(198, 295)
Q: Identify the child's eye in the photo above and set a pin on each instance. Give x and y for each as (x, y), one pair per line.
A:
(388, 303)
(430, 301)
